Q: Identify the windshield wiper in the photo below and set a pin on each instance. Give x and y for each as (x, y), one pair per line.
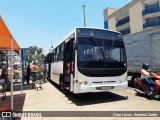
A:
(112, 44)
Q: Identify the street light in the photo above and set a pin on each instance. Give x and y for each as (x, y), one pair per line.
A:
(84, 15)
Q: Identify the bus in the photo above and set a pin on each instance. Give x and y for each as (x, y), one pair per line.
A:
(89, 60)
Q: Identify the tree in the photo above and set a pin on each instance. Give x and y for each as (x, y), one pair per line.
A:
(36, 56)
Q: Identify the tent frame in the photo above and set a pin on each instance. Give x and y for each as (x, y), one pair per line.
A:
(9, 36)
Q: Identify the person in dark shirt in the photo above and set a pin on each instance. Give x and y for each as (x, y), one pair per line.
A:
(4, 76)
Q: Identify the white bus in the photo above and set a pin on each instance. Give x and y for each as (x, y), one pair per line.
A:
(89, 60)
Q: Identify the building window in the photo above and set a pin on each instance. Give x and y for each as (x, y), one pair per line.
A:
(155, 19)
(151, 5)
(125, 31)
(151, 22)
(151, 8)
(123, 21)
(106, 24)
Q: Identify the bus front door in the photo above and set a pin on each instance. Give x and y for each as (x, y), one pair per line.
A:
(68, 65)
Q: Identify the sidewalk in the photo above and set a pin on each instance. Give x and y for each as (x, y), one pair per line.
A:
(48, 99)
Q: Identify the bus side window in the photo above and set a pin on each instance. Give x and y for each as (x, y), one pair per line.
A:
(58, 52)
(55, 55)
(61, 51)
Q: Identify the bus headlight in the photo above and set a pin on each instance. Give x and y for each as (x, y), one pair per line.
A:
(81, 82)
(76, 81)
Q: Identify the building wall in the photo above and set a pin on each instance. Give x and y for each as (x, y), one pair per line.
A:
(136, 21)
(107, 12)
(138, 14)
(111, 24)
(122, 27)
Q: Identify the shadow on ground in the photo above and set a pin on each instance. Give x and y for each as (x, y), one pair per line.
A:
(17, 86)
(18, 102)
(91, 98)
(130, 84)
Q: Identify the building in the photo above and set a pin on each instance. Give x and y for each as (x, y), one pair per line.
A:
(136, 16)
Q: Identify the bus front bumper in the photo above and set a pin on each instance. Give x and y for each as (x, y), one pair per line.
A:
(81, 88)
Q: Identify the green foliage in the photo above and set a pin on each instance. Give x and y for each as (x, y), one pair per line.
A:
(36, 56)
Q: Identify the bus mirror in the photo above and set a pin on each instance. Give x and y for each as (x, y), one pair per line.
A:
(74, 45)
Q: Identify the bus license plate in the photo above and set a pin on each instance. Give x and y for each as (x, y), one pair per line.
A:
(105, 88)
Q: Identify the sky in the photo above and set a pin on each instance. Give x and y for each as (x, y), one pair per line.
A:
(44, 23)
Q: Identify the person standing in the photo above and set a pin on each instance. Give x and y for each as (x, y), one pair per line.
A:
(28, 73)
(33, 71)
(4, 78)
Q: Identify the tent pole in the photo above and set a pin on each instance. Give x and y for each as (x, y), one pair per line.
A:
(20, 56)
(11, 73)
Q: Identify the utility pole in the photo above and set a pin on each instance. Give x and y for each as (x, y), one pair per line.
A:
(84, 15)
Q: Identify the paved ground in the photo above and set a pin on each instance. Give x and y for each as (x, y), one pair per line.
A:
(52, 99)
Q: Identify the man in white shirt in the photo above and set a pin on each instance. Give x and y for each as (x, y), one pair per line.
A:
(145, 78)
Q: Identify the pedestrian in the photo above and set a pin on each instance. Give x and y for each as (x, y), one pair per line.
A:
(33, 71)
(4, 78)
(28, 73)
(9, 72)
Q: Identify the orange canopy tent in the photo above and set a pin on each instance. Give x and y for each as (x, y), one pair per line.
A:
(7, 42)
(6, 37)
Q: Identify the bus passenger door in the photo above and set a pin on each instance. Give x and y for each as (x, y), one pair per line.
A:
(68, 65)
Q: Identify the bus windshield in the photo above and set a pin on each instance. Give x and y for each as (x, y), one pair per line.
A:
(101, 53)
